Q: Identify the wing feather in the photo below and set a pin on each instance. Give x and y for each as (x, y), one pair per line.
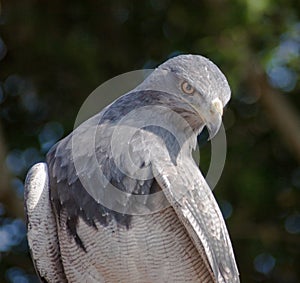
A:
(41, 225)
(195, 205)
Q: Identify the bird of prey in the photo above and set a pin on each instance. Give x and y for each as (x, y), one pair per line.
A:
(120, 199)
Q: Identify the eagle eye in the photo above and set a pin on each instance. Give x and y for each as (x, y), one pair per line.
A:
(187, 88)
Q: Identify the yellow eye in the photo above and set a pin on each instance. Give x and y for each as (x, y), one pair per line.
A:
(187, 88)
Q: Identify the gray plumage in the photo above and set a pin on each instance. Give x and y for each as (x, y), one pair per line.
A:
(104, 208)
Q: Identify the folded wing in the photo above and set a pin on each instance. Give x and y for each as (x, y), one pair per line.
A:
(41, 225)
(195, 205)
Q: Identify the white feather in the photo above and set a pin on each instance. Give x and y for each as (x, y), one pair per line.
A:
(41, 225)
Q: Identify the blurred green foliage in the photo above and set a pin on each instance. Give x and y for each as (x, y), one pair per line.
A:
(55, 53)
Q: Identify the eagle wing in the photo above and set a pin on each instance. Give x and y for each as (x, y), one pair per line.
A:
(41, 225)
(195, 205)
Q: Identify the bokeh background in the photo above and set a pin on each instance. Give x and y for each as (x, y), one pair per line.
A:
(53, 54)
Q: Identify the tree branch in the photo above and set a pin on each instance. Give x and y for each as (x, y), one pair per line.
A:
(280, 111)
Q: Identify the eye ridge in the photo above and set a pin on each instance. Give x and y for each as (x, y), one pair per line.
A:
(187, 88)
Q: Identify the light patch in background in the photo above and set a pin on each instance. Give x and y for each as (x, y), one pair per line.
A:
(226, 208)
(49, 135)
(283, 78)
(18, 186)
(280, 68)
(296, 177)
(19, 161)
(12, 233)
(264, 263)
(292, 224)
(18, 275)
(14, 85)
(15, 162)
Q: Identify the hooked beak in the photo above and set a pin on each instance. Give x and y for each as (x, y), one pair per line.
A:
(214, 121)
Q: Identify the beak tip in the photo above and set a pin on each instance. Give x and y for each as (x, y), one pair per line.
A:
(213, 129)
(216, 118)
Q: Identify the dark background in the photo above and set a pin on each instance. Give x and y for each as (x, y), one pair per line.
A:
(55, 53)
